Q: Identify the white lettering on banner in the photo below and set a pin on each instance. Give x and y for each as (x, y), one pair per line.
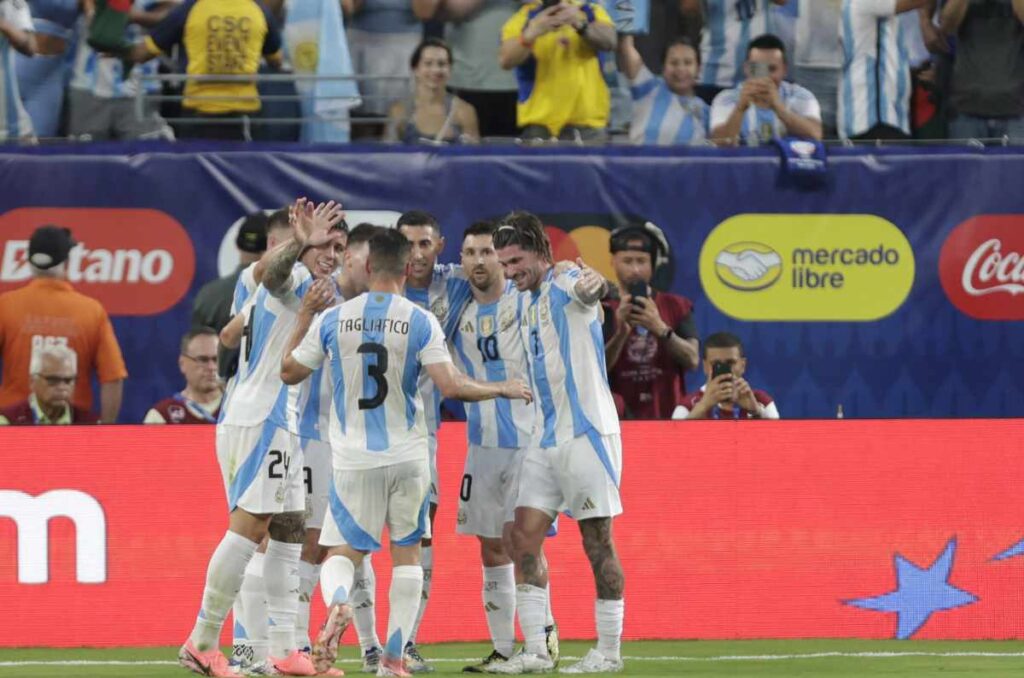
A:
(32, 516)
(989, 263)
(94, 266)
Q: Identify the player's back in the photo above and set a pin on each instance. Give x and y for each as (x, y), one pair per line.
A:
(375, 343)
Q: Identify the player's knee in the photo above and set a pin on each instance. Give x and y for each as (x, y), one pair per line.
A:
(289, 528)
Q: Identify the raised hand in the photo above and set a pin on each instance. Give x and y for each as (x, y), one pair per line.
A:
(319, 296)
(591, 284)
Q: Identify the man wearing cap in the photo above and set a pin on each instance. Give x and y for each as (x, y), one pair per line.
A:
(49, 312)
(650, 336)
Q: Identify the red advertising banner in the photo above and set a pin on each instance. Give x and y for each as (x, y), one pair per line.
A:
(872, 529)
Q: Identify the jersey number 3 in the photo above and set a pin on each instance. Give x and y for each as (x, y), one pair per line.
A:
(376, 371)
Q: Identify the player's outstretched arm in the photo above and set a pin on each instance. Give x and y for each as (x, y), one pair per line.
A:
(591, 286)
(454, 384)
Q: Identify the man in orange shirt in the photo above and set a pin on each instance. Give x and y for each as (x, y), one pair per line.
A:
(48, 311)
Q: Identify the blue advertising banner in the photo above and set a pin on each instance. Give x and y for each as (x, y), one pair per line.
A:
(893, 287)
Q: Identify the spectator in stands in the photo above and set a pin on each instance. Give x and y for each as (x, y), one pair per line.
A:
(212, 306)
(222, 38)
(555, 51)
(432, 115)
(818, 56)
(53, 371)
(101, 96)
(17, 34)
(727, 25)
(665, 109)
(726, 394)
(477, 78)
(650, 338)
(765, 106)
(874, 90)
(199, 402)
(988, 74)
(43, 75)
(48, 312)
(382, 35)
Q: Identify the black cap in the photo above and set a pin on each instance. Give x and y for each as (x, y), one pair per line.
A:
(634, 237)
(252, 234)
(49, 246)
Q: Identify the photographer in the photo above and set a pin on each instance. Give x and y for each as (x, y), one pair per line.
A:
(650, 337)
(726, 395)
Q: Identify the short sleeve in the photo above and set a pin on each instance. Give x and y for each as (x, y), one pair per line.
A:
(109, 361)
(877, 8)
(804, 103)
(169, 32)
(430, 342)
(513, 28)
(310, 351)
(643, 84)
(722, 107)
(566, 281)
(243, 289)
(154, 417)
(686, 327)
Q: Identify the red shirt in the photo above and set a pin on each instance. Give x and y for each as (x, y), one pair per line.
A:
(691, 399)
(22, 414)
(649, 381)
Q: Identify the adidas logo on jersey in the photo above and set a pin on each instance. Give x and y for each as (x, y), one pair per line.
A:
(589, 505)
(491, 607)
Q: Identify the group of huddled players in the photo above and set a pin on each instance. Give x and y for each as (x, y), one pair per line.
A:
(328, 433)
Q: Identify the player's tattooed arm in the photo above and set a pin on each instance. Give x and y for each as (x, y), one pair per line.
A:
(279, 266)
(604, 561)
(591, 286)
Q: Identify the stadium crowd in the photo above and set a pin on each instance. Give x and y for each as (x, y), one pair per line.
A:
(459, 71)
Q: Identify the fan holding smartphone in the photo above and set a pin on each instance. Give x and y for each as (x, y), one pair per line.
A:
(650, 336)
(726, 395)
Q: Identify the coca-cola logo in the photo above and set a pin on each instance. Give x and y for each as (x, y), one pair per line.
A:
(134, 261)
(981, 267)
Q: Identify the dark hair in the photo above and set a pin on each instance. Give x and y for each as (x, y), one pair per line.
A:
(767, 41)
(417, 53)
(278, 219)
(419, 218)
(362, 233)
(485, 227)
(681, 41)
(389, 252)
(526, 230)
(197, 331)
(722, 340)
(622, 239)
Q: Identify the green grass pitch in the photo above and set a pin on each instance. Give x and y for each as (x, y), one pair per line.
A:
(649, 658)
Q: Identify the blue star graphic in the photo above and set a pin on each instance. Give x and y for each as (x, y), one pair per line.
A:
(919, 592)
(1015, 550)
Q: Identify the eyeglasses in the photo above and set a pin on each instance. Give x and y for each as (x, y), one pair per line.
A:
(202, 359)
(54, 380)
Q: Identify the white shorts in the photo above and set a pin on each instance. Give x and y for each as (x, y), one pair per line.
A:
(360, 503)
(581, 477)
(262, 468)
(434, 478)
(488, 492)
(316, 478)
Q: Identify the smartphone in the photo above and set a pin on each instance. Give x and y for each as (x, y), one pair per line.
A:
(550, 3)
(637, 290)
(720, 367)
(760, 69)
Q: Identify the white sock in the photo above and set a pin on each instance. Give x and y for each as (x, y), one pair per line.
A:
(427, 562)
(281, 577)
(309, 574)
(608, 619)
(549, 618)
(406, 592)
(223, 580)
(249, 644)
(499, 594)
(531, 602)
(336, 575)
(364, 596)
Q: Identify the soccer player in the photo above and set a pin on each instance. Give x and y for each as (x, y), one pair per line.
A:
(377, 345)
(577, 462)
(443, 291)
(261, 464)
(488, 347)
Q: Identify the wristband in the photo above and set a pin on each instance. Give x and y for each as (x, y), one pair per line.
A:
(524, 42)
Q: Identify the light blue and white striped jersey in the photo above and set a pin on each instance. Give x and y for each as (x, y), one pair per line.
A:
(875, 85)
(377, 345)
(244, 287)
(445, 297)
(257, 394)
(662, 117)
(729, 26)
(761, 124)
(488, 347)
(14, 120)
(565, 352)
(104, 76)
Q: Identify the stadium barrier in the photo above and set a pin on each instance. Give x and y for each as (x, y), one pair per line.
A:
(753, 530)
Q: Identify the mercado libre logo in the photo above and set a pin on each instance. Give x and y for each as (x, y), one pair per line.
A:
(807, 267)
(133, 261)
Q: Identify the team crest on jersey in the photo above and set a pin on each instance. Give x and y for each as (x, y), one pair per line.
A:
(487, 325)
(176, 413)
(507, 319)
(439, 309)
(545, 313)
